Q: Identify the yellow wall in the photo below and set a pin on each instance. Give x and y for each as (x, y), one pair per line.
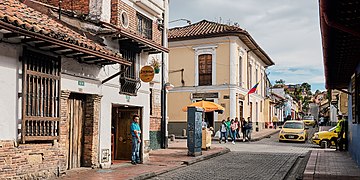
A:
(182, 58)
(223, 64)
(177, 100)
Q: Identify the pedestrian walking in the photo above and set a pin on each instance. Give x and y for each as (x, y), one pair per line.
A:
(243, 127)
(233, 129)
(136, 140)
(340, 130)
(248, 129)
(227, 122)
(223, 132)
(239, 127)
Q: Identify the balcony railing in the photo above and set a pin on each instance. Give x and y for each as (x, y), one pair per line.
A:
(129, 86)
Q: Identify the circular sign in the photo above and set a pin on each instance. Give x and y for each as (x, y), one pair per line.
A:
(147, 73)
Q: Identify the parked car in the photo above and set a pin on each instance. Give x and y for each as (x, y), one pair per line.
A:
(309, 121)
(293, 131)
(330, 136)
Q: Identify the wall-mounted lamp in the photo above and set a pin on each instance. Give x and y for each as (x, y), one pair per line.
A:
(168, 86)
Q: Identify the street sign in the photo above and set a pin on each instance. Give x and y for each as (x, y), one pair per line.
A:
(147, 73)
(81, 83)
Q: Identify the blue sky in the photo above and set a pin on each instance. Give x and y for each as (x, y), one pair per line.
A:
(288, 31)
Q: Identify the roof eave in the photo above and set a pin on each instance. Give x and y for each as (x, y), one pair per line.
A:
(60, 43)
(253, 45)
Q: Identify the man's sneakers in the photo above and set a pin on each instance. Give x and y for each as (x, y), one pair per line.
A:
(233, 142)
(133, 162)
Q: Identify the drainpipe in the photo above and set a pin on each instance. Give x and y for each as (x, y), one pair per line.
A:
(164, 141)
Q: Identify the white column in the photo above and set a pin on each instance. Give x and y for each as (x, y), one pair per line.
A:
(233, 76)
(233, 62)
(232, 102)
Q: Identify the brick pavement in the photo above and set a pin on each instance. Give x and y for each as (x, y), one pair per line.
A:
(237, 165)
(256, 136)
(160, 161)
(325, 164)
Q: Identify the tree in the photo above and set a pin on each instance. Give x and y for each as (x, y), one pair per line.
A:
(279, 83)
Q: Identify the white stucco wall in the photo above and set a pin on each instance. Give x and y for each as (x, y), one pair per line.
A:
(9, 63)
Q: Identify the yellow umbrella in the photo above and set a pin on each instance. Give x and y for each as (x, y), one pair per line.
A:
(206, 105)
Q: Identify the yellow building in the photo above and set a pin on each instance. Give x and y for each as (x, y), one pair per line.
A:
(218, 63)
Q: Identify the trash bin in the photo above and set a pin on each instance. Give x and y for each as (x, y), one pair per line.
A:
(206, 139)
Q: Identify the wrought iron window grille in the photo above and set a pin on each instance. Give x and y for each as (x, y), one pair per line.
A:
(129, 86)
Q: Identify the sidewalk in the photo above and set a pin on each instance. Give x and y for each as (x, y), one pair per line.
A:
(328, 165)
(255, 136)
(160, 161)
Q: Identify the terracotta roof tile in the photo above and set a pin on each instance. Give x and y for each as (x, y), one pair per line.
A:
(207, 29)
(203, 28)
(21, 16)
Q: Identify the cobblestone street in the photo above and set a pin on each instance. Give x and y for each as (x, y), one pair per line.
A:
(237, 165)
(265, 159)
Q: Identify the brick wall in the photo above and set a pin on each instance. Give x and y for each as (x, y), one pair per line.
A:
(30, 161)
(115, 13)
(155, 118)
(155, 121)
(37, 160)
(46, 160)
(79, 6)
(117, 6)
(91, 132)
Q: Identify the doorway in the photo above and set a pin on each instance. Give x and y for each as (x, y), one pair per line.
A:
(241, 109)
(209, 116)
(251, 112)
(76, 115)
(209, 119)
(121, 136)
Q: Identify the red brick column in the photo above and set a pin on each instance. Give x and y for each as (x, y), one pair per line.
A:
(64, 128)
(91, 130)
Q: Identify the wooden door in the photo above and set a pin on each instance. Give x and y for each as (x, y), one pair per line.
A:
(241, 109)
(251, 111)
(76, 124)
(123, 135)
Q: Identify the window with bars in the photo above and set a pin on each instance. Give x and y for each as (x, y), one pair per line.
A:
(144, 26)
(129, 55)
(40, 97)
(205, 70)
(129, 82)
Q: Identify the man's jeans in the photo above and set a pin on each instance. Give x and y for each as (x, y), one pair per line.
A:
(248, 133)
(233, 135)
(135, 150)
(223, 134)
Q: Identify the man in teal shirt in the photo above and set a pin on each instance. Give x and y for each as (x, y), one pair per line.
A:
(227, 123)
(136, 140)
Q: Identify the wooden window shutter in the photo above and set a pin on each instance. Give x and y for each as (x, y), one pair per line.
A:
(40, 97)
(205, 70)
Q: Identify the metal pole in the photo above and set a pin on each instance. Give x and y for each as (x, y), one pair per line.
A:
(163, 94)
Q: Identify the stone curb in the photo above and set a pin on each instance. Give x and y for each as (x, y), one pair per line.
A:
(185, 163)
(253, 139)
(202, 158)
(264, 136)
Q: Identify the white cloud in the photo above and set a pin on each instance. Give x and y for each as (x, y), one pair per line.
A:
(288, 31)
